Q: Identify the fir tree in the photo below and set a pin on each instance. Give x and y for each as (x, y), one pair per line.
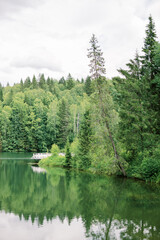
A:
(69, 82)
(21, 85)
(131, 109)
(97, 64)
(101, 96)
(62, 81)
(68, 156)
(85, 140)
(1, 93)
(42, 81)
(27, 83)
(34, 83)
(63, 123)
(88, 86)
(0, 142)
(148, 63)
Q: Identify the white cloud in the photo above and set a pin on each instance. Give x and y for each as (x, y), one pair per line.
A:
(11, 227)
(53, 36)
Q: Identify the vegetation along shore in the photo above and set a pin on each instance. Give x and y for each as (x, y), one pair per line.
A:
(109, 126)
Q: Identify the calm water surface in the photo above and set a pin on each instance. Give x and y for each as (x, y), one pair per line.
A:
(38, 204)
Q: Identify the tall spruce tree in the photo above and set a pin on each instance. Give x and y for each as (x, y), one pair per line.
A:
(97, 64)
(88, 86)
(97, 70)
(148, 63)
(150, 72)
(63, 123)
(131, 110)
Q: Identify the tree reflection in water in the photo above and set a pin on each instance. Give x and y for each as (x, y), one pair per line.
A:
(110, 208)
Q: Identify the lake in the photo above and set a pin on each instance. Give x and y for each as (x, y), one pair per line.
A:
(47, 204)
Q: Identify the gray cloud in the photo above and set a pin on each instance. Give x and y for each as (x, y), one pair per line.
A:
(8, 7)
(37, 62)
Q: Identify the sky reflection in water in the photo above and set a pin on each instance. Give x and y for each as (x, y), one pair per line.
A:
(59, 204)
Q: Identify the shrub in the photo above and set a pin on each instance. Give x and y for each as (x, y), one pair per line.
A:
(55, 150)
(150, 168)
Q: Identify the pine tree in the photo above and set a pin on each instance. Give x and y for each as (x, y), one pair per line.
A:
(69, 82)
(34, 83)
(151, 71)
(88, 86)
(131, 108)
(0, 142)
(62, 81)
(1, 93)
(102, 94)
(63, 123)
(97, 64)
(42, 81)
(21, 85)
(148, 63)
(27, 83)
(68, 156)
(85, 141)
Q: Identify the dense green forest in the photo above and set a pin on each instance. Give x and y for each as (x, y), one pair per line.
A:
(109, 125)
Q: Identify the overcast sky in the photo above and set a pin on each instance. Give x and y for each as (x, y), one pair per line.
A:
(52, 36)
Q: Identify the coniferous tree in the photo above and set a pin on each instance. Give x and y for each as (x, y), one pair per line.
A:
(0, 142)
(131, 109)
(97, 64)
(34, 83)
(88, 86)
(27, 83)
(97, 70)
(1, 93)
(148, 63)
(85, 140)
(150, 71)
(10, 97)
(42, 81)
(63, 123)
(68, 156)
(70, 82)
(21, 85)
(62, 81)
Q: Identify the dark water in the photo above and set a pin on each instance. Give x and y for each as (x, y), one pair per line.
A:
(63, 205)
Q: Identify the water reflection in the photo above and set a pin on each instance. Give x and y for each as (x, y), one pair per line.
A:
(92, 207)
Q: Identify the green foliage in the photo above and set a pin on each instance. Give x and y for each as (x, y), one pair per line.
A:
(85, 141)
(137, 100)
(95, 200)
(74, 146)
(63, 123)
(68, 156)
(97, 65)
(55, 150)
(88, 86)
(121, 130)
(53, 161)
(150, 168)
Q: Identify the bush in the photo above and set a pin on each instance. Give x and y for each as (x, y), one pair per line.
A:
(55, 150)
(53, 161)
(150, 168)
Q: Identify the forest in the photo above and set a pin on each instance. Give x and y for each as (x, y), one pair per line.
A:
(109, 126)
